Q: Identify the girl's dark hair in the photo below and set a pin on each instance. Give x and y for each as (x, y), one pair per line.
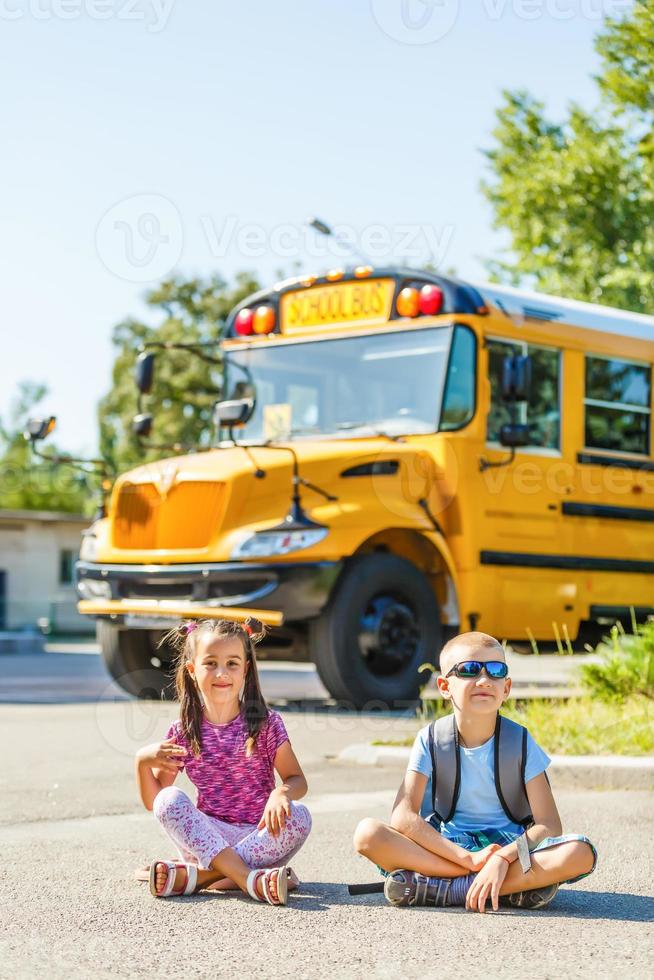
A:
(184, 640)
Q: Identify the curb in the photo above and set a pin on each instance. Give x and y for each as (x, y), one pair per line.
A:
(567, 771)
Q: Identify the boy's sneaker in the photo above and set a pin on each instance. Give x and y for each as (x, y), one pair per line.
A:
(411, 888)
(535, 898)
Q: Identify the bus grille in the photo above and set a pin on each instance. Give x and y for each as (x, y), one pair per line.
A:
(185, 518)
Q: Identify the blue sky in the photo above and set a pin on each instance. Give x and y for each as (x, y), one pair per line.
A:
(142, 136)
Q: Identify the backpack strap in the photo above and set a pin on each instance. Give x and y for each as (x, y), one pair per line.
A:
(510, 760)
(446, 775)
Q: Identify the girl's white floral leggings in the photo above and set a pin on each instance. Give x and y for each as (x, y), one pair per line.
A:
(199, 837)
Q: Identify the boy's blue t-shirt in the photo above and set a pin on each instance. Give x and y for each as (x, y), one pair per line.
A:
(478, 806)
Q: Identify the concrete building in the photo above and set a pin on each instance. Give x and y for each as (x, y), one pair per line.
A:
(38, 550)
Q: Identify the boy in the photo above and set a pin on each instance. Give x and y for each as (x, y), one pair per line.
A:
(460, 841)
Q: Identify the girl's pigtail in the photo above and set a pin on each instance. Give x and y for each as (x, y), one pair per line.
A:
(255, 708)
(255, 629)
(191, 709)
(182, 639)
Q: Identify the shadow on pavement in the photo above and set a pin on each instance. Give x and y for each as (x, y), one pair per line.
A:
(618, 906)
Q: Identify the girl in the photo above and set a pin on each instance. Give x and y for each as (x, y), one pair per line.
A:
(242, 829)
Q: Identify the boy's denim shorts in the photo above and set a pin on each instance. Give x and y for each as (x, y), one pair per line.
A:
(478, 839)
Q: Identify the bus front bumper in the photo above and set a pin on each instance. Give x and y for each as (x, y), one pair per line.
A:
(154, 596)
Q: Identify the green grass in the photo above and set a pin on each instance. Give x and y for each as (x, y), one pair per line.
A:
(578, 726)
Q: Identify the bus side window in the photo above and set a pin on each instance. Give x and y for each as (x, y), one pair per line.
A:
(459, 396)
(617, 405)
(543, 411)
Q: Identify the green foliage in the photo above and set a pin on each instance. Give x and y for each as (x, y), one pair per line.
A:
(577, 197)
(27, 483)
(626, 50)
(577, 726)
(185, 386)
(586, 726)
(626, 667)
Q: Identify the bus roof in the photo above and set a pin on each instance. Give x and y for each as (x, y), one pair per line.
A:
(467, 296)
(524, 304)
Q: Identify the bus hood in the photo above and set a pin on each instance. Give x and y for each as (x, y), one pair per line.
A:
(198, 507)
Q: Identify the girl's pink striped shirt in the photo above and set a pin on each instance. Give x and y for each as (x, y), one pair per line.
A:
(231, 786)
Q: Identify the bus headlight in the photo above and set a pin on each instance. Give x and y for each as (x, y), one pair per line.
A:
(263, 544)
(89, 546)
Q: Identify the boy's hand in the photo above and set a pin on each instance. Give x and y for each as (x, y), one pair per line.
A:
(487, 884)
(478, 859)
(162, 755)
(278, 808)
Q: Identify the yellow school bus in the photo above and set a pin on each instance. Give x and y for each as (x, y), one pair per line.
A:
(401, 456)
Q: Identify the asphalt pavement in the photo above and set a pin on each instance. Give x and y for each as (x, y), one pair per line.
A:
(72, 831)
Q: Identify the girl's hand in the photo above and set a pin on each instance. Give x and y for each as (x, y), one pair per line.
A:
(487, 884)
(162, 755)
(278, 808)
(478, 859)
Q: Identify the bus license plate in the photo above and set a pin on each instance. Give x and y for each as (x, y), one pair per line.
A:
(150, 622)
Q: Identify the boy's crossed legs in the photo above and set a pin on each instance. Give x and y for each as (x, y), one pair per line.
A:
(392, 851)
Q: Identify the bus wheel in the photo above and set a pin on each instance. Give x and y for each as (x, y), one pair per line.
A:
(381, 623)
(127, 655)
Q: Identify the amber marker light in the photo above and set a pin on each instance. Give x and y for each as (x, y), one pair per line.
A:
(334, 275)
(244, 323)
(263, 320)
(408, 302)
(363, 271)
(308, 280)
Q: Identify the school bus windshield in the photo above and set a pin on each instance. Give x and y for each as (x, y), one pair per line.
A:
(343, 388)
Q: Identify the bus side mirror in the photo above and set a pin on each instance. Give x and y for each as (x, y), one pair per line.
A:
(514, 436)
(144, 372)
(39, 428)
(230, 414)
(516, 378)
(142, 426)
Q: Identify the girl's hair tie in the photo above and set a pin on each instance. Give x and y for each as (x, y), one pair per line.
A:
(247, 628)
(191, 626)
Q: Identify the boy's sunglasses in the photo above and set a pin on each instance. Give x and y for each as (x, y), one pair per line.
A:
(496, 669)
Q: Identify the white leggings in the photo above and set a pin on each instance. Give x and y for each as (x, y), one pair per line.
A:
(200, 837)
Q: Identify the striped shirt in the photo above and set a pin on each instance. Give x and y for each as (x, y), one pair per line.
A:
(231, 786)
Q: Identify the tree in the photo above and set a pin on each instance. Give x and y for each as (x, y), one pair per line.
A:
(577, 197)
(185, 387)
(27, 483)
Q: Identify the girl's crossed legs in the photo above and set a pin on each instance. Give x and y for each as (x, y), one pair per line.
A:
(227, 851)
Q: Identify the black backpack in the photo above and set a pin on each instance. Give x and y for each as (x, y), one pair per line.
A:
(510, 752)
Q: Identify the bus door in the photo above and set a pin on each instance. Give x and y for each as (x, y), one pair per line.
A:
(521, 590)
(609, 515)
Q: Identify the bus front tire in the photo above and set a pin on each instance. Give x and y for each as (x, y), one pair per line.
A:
(127, 655)
(381, 623)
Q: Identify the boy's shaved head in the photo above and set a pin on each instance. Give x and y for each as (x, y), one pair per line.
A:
(468, 645)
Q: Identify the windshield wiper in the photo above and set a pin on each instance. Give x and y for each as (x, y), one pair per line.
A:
(369, 425)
